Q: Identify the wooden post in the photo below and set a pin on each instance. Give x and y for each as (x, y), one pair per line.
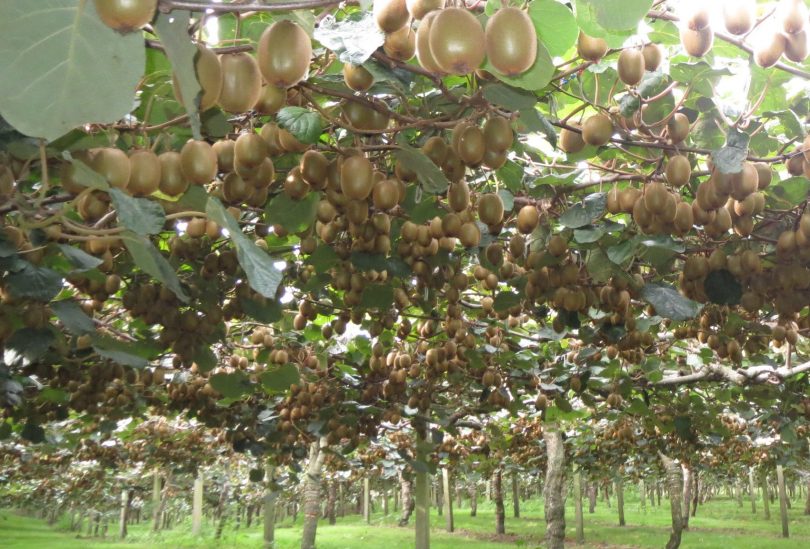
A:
(122, 523)
(554, 490)
(783, 512)
(341, 500)
(269, 510)
(620, 500)
(156, 500)
(763, 484)
(578, 507)
(515, 495)
(385, 499)
(366, 500)
(642, 495)
(752, 489)
(448, 500)
(197, 506)
(422, 493)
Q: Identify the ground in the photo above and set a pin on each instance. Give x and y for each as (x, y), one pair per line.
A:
(720, 524)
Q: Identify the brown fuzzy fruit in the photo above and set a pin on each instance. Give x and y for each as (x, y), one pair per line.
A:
(271, 99)
(498, 134)
(511, 41)
(794, 16)
(597, 130)
(314, 166)
(678, 128)
(764, 174)
(739, 16)
(172, 181)
(362, 117)
(469, 235)
(631, 66)
(697, 43)
(390, 15)
(199, 162)
(457, 41)
(249, 151)
(224, 151)
(236, 190)
(768, 54)
(241, 82)
(796, 46)
(283, 53)
(528, 218)
(420, 8)
(571, 141)
(125, 15)
(678, 171)
(357, 77)
(356, 177)
(113, 165)
(400, 44)
(652, 56)
(385, 194)
(209, 76)
(591, 49)
(655, 197)
(144, 178)
(423, 53)
(471, 146)
(490, 209)
(458, 196)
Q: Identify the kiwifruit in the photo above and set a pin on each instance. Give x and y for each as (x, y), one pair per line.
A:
(631, 66)
(385, 194)
(511, 41)
(92, 206)
(294, 185)
(288, 142)
(684, 218)
(125, 15)
(698, 19)
(597, 130)
(436, 149)
(794, 15)
(796, 46)
(498, 134)
(236, 190)
(263, 175)
(469, 235)
(795, 165)
(172, 181)
(557, 245)
(457, 41)
(199, 162)
(655, 197)
(224, 151)
(527, 219)
(144, 177)
(357, 77)
(283, 53)
(390, 15)
(494, 159)
(678, 128)
(249, 151)
(628, 197)
(458, 196)
(356, 177)
(678, 171)
(768, 54)
(209, 76)
(764, 174)
(113, 164)
(313, 166)
(746, 183)
(362, 117)
(241, 82)
(423, 52)
(400, 44)
(490, 209)
(591, 49)
(271, 99)
(471, 146)
(571, 142)
(7, 180)
(739, 16)
(652, 56)
(697, 43)
(420, 8)
(453, 167)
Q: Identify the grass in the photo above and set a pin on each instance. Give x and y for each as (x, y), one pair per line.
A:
(720, 524)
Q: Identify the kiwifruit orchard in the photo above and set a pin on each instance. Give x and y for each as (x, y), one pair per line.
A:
(337, 273)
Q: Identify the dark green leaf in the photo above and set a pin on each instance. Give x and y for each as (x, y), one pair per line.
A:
(683, 426)
(615, 15)
(152, 262)
(263, 312)
(536, 122)
(293, 215)
(304, 124)
(73, 317)
(668, 302)
(513, 99)
(555, 25)
(323, 258)
(368, 262)
(722, 287)
(506, 300)
(33, 432)
(430, 176)
(232, 385)
(205, 359)
(580, 215)
(730, 158)
(81, 260)
(133, 354)
(425, 210)
(26, 346)
(34, 282)
(280, 379)
(377, 296)
(140, 215)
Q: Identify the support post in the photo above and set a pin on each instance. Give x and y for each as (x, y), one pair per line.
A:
(448, 500)
(578, 507)
(197, 506)
(783, 510)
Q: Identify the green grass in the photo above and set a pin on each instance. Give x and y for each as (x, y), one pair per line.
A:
(720, 524)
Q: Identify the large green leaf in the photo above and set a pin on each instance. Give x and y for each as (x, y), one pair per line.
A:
(293, 215)
(81, 260)
(730, 158)
(279, 380)
(580, 215)
(430, 176)
(262, 275)
(304, 124)
(152, 262)
(232, 385)
(73, 317)
(668, 302)
(68, 67)
(26, 346)
(172, 29)
(135, 354)
(615, 15)
(555, 25)
(378, 296)
(139, 215)
(34, 282)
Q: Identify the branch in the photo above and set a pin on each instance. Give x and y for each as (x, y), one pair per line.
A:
(168, 6)
(753, 374)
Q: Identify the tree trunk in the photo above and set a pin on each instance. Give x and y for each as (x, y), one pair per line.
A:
(341, 500)
(578, 507)
(197, 506)
(473, 492)
(269, 510)
(738, 490)
(686, 494)
(763, 484)
(448, 500)
(422, 493)
(620, 501)
(122, 523)
(807, 503)
(312, 493)
(752, 489)
(222, 510)
(695, 492)
(783, 511)
(406, 497)
(674, 479)
(515, 495)
(554, 488)
(497, 494)
(156, 485)
(385, 498)
(330, 502)
(592, 488)
(366, 500)
(642, 495)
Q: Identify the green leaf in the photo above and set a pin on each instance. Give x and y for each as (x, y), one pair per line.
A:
(377, 296)
(69, 68)
(615, 15)
(430, 176)
(205, 359)
(293, 215)
(26, 346)
(536, 78)
(425, 210)
(668, 302)
(215, 123)
(368, 262)
(262, 275)
(508, 200)
(152, 262)
(135, 354)
(722, 287)
(140, 215)
(508, 97)
(232, 385)
(33, 432)
(599, 265)
(194, 199)
(172, 29)
(555, 25)
(81, 260)
(506, 300)
(323, 258)
(33, 282)
(73, 317)
(263, 312)
(304, 124)
(85, 175)
(730, 158)
(536, 122)
(280, 379)
(793, 190)
(592, 208)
